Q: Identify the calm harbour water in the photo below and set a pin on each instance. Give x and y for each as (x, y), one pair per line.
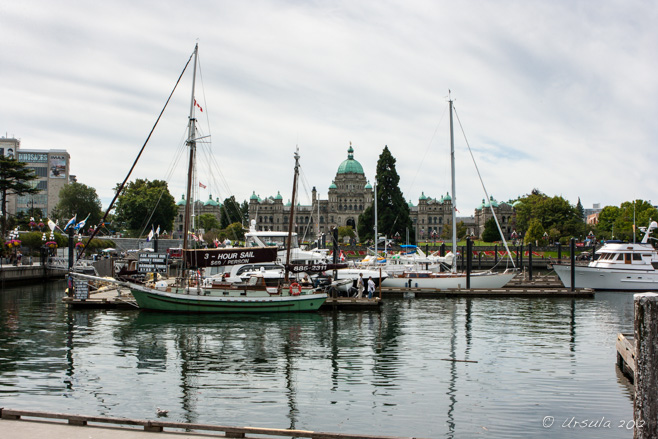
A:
(365, 373)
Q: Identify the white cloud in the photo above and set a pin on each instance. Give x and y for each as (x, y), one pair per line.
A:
(559, 96)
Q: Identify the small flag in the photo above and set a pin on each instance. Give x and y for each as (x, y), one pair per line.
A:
(52, 225)
(81, 224)
(71, 222)
(157, 231)
(199, 106)
(148, 238)
(202, 185)
(342, 256)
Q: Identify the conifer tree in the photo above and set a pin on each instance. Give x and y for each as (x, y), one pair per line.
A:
(15, 178)
(393, 216)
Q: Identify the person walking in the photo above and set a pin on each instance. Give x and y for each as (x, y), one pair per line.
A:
(371, 287)
(360, 286)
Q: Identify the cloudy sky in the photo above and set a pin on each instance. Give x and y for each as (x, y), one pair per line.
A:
(555, 95)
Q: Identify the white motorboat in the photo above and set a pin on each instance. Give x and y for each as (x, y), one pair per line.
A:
(619, 266)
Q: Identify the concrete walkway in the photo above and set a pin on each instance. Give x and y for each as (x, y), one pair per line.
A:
(28, 429)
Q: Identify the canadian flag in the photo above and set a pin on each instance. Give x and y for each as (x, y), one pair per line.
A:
(342, 256)
(202, 185)
(199, 106)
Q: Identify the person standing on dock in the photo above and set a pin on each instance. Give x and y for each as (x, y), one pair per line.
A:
(360, 286)
(371, 287)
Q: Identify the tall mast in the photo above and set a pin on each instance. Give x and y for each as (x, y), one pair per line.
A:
(454, 198)
(191, 142)
(292, 213)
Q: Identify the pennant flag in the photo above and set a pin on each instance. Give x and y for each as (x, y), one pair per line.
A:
(157, 231)
(52, 225)
(199, 106)
(150, 236)
(202, 185)
(81, 224)
(342, 256)
(71, 222)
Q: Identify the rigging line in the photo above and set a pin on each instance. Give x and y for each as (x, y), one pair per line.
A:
(429, 144)
(116, 195)
(502, 235)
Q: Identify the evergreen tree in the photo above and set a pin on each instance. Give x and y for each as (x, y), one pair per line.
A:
(580, 210)
(15, 178)
(231, 212)
(491, 232)
(393, 214)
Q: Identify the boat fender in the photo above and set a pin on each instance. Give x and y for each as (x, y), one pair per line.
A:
(295, 289)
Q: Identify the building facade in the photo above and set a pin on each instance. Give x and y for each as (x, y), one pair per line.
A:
(51, 166)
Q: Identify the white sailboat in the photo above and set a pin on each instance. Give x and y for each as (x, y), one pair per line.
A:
(419, 278)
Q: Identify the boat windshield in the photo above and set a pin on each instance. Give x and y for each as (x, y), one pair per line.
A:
(269, 240)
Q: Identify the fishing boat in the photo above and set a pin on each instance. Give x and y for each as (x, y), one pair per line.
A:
(190, 294)
(619, 267)
(418, 277)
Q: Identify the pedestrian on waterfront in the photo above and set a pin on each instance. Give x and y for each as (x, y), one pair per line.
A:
(360, 286)
(371, 287)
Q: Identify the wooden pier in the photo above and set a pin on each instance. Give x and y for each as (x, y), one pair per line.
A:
(626, 355)
(351, 304)
(64, 425)
(529, 292)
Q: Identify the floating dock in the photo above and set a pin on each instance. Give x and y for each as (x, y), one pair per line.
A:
(529, 292)
(626, 355)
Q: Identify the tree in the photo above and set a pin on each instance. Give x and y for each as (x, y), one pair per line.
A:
(15, 178)
(618, 222)
(551, 212)
(208, 222)
(535, 231)
(580, 210)
(231, 212)
(143, 203)
(393, 214)
(78, 199)
(491, 232)
(345, 232)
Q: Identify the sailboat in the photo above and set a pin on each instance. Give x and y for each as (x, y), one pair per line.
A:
(418, 278)
(190, 294)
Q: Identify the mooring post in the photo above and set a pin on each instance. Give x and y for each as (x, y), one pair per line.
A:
(559, 251)
(443, 249)
(645, 407)
(469, 262)
(530, 260)
(496, 254)
(572, 251)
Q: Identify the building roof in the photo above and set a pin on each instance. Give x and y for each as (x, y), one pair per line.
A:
(211, 202)
(350, 166)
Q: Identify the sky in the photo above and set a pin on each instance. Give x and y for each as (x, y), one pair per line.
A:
(561, 96)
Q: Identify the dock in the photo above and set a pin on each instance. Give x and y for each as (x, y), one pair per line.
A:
(626, 355)
(529, 292)
(24, 424)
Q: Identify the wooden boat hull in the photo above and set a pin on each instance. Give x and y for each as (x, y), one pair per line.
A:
(157, 300)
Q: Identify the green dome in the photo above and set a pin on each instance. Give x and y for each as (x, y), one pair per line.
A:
(333, 185)
(411, 204)
(278, 196)
(254, 196)
(350, 166)
(181, 202)
(422, 196)
(447, 197)
(368, 186)
(211, 202)
(493, 202)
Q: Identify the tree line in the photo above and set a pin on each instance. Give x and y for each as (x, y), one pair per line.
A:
(143, 204)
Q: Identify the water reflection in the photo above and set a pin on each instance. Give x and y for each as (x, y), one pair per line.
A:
(358, 372)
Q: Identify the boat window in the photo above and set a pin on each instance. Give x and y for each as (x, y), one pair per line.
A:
(637, 257)
(627, 258)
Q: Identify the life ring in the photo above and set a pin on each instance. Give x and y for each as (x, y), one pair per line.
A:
(296, 286)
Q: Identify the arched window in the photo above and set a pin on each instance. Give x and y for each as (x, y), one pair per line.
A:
(260, 219)
(340, 207)
(271, 219)
(321, 220)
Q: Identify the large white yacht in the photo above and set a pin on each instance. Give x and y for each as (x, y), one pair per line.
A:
(620, 266)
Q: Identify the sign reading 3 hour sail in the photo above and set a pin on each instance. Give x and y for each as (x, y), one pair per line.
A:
(215, 257)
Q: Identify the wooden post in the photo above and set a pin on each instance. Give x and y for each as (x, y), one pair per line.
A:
(572, 250)
(559, 251)
(530, 260)
(496, 254)
(469, 262)
(645, 408)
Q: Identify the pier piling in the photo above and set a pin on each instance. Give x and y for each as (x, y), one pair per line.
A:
(645, 407)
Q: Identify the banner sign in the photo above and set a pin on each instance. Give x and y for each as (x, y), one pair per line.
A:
(313, 268)
(216, 257)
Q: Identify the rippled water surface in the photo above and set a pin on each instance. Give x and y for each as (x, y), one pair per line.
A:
(519, 364)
